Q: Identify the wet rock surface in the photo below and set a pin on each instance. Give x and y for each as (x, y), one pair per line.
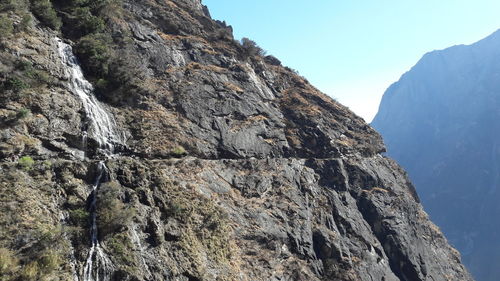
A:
(234, 168)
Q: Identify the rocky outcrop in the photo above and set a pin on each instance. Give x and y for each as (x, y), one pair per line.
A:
(440, 121)
(233, 168)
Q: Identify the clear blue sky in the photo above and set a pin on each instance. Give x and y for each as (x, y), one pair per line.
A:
(353, 50)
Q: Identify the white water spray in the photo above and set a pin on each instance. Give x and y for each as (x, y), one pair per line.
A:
(103, 125)
(103, 129)
(137, 241)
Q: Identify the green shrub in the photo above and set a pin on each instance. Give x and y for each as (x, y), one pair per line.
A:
(121, 247)
(38, 259)
(79, 217)
(26, 163)
(47, 237)
(28, 71)
(85, 22)
(49, 262)
(101, 84)
(6, 26)
(95, 5)
(29, 271)
(40, 76)
(8, 262)
(16, 84)
(94, 53)
(22, 113)
(112, 214)
(84, 17)
(122, 80)
(7, 5)
(23, 65)
(45, 12)
(25, 22)
(179, 151)
(47, 165)
(124, 71)
(205, 227)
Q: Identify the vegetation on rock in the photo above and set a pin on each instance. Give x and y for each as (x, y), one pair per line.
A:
(179, 151)
(271, 190)
(251, 49)
(6, 26)
(26, 163)
(45, 12)
(112, 214)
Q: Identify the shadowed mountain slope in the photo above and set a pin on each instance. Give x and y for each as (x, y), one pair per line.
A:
(441, 122)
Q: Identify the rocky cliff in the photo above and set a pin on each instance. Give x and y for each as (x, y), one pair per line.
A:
(226, 166)
(440, 121)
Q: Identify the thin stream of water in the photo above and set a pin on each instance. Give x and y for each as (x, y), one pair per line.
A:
(103, 265)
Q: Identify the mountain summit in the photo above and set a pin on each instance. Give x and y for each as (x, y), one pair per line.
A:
(440, 121)
(140, 141)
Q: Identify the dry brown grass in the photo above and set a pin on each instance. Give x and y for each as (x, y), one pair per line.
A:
(422, 215)
(298, 102)
(376, 189)
(233, 87)
(346, 142)
(180, 11)
(355, 259)
(192, 38)
(194, 66)
(292, 137)
(248, 122)
(434, 227)
(209, 51)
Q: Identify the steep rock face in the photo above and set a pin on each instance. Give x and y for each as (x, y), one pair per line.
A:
(233, 168)
(440, 121)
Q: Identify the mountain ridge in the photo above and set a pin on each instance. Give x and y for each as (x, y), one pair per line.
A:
(438, 121)
(232, 167)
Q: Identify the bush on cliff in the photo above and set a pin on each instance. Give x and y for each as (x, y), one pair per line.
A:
(45, 12)
(21, 114)
(8, 5)
(250, 48)
(8, 264)
(6, 26)
(26, 163)
(83, 22)
(94, 52)
(112, 214)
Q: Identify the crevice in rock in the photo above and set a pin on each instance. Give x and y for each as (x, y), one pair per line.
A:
(399, 263)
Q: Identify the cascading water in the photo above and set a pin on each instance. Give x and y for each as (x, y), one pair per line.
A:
(103, 129)
(103, 125)
(98, 263)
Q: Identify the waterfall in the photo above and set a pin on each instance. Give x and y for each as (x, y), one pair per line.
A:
(137, 241)
(103, 129)
(102, 125)
(103, 265)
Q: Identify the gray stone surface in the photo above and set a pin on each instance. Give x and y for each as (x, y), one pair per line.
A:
(278, 182)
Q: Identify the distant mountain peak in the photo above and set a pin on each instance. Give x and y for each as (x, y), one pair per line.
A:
(440, 121)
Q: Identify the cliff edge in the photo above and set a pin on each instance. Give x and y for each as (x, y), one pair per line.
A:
(226, 165)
